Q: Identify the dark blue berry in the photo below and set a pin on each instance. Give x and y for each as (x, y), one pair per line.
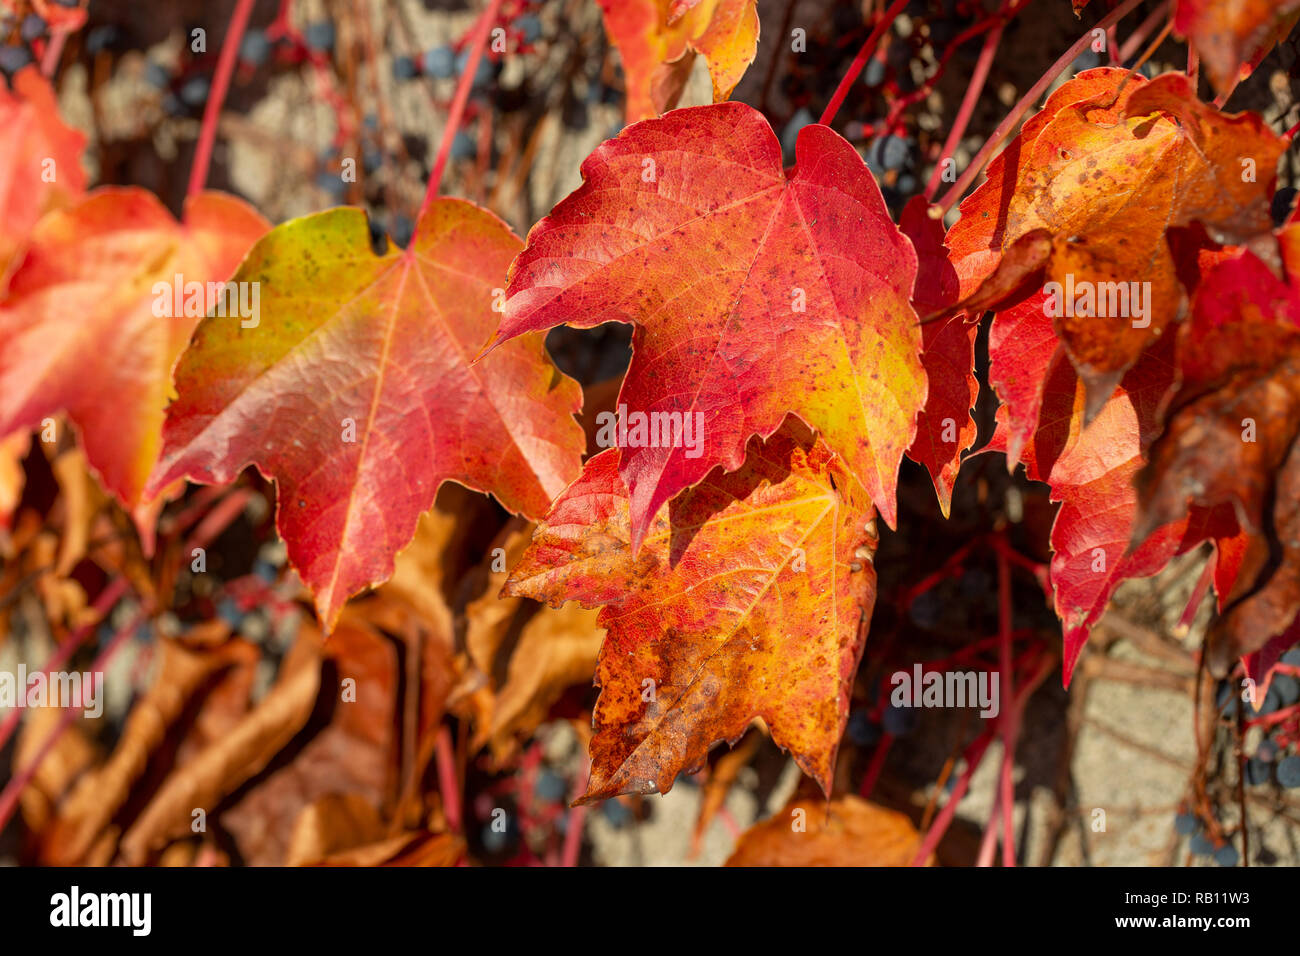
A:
(102, 38)
(404, 68)
(617, 813)
(482, 75)
(494, 841)
(440, 62)
(861, 730)
(255, 48)
(462, 146)
(229, 611)
(530, 27)
(1185, 824)
(874, 74)
(926, 610)
(1226, 855)
(1087, 60)
(14, 58)
(899, 721)
(195, 91)
(1287, 687)
(331, 183)
(1288, 772)
(319, 35)
(1272, 702)
(157, 75)
(33, 27)
(401, 230)
(550, 787)
(1200, 845)
(887, 152)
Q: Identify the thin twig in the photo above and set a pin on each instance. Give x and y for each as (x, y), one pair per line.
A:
(1018, 111)
(217, 96)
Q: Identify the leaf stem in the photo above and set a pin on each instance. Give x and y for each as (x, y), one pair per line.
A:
(877, 764)
(217, 96)
(860, 61)
(959, 123)
(577, 815)
(54, 50)
(1018, 111)
(973, 754)
(475, 46)
(1010, 717)
(448, 783)
(1139, 36)
(1184, 625)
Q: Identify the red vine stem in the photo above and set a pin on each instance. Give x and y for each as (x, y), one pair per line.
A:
(115, 589)
(860, 61)
(1010, 718)
(476, 43)
(1020, 109)
(989, 844)
(573, 828)
(447, 782)
(1139, 36)
(972, 757)
(1198, 594)
(1275, 718)
(877, 764)
(1000, 18)
(217, 96)
(50, 58)
(212, 525)
(982, 66)
(13, 790)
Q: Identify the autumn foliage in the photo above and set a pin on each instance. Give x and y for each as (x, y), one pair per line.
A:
(810, 334)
